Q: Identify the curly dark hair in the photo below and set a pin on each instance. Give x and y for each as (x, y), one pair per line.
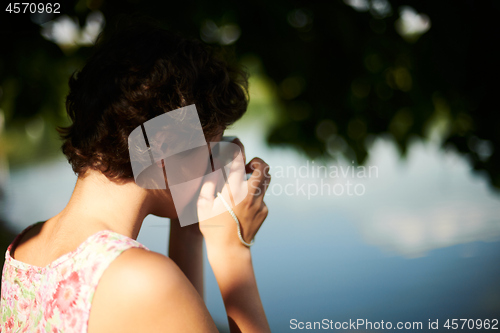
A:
(135, 74)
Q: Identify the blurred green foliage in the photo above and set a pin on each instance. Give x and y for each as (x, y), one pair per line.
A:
(344, 72)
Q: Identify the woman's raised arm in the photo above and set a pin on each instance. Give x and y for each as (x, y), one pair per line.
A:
(230, 259)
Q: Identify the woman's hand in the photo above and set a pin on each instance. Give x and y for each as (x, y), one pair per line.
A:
(220, 231)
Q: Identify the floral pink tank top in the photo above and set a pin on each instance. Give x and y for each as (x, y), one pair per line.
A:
(57, 297)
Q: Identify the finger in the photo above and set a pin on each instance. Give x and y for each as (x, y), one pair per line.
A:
(236, 180)
(260, 178)
(237, 166)
(242, 147)
(266, 183)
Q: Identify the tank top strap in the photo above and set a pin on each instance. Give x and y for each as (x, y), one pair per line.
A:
(79, 276)
(93, 259)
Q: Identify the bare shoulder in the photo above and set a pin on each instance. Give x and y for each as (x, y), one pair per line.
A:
(143, 271)
(144, 291)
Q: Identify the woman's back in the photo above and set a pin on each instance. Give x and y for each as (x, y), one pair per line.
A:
(58, 296)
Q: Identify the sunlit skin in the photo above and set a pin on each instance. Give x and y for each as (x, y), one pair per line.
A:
(143, 291)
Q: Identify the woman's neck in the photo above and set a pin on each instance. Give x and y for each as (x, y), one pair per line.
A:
(98, 203)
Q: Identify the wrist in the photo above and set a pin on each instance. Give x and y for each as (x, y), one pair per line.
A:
(233, 270)
(228, 257)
